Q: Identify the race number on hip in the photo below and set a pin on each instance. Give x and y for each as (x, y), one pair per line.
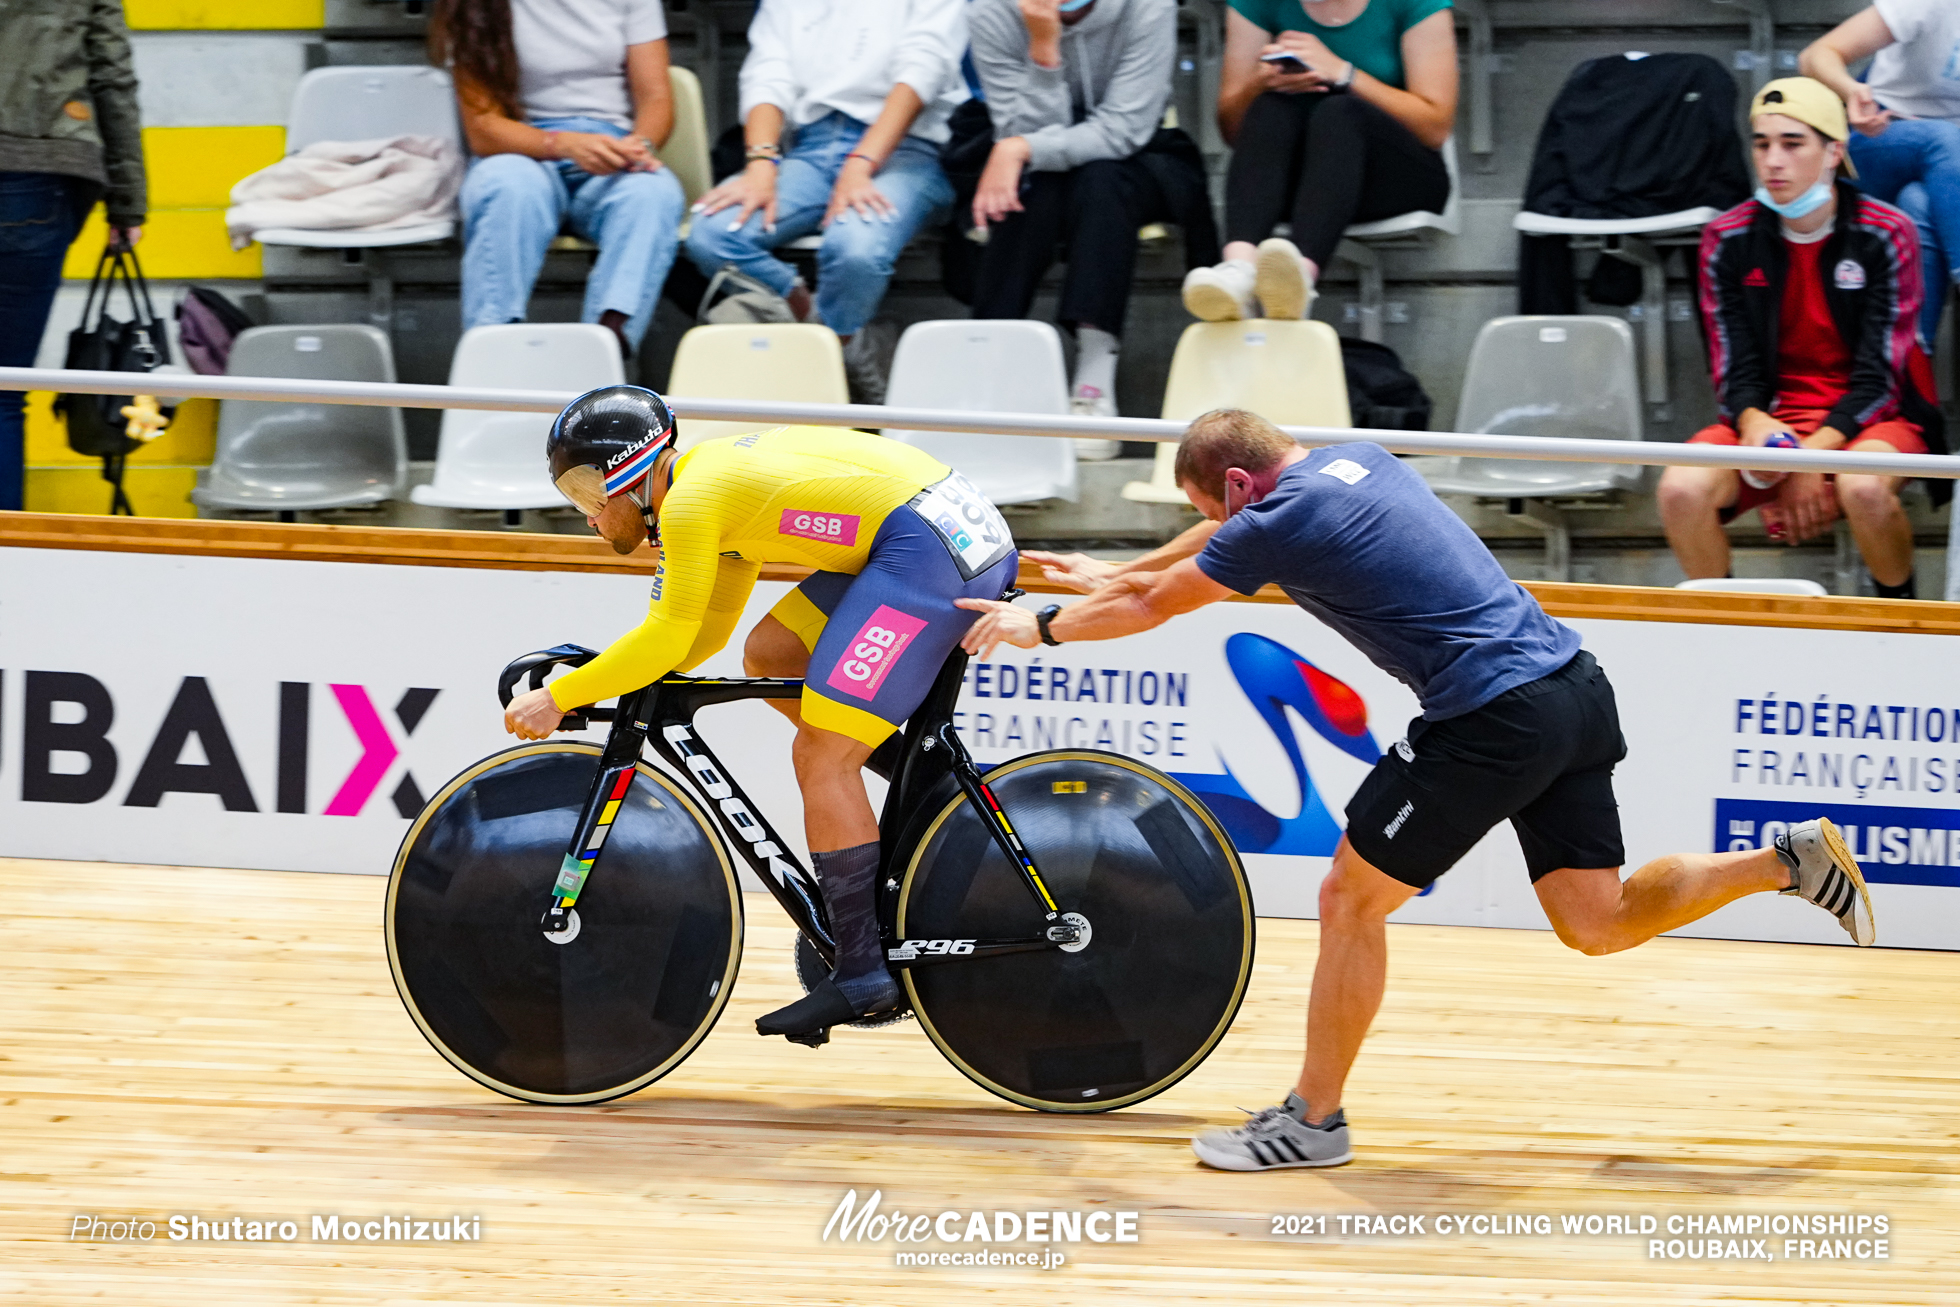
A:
(971, 528)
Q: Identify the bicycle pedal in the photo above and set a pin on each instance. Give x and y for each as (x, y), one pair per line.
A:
(813, 1039)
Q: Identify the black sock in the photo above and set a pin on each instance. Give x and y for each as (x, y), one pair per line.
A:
(848, 877)
(1903, 590)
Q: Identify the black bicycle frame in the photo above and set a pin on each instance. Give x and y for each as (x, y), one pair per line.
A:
(662, 714)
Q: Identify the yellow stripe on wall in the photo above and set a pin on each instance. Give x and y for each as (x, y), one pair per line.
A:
(196, 167)
(191, 172)
(153, 491)
(231, 15)
(191, 439)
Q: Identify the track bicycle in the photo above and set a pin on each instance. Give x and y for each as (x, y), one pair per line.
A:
(1073, 929)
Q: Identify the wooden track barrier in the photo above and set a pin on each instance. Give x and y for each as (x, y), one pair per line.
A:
(531, 552)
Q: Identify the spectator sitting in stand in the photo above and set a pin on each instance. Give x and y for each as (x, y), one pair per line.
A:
(867, 89)
(1907, 112)
(1810, 297)
(565, 104)
(1337, 111)
(70, 134)
(1076, 89)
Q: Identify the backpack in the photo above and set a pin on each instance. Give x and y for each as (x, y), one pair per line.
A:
(1381, 392)
(207, 323)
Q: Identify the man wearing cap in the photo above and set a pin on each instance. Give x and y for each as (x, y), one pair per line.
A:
(1810, 294)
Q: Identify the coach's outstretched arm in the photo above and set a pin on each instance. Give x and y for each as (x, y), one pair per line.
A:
(1086, 574)
(1125, 604)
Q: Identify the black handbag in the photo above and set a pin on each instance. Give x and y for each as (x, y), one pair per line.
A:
(96, 426)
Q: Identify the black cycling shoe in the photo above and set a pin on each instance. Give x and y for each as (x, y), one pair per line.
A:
(817, 1011)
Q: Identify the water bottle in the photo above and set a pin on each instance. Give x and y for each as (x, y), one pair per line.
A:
(1757, 479)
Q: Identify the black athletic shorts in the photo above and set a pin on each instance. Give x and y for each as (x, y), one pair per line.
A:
(1540, 755)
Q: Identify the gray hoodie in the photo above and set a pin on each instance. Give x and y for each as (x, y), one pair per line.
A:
(1104, 102)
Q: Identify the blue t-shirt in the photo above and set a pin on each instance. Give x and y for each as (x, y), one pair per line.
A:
(1358, 540)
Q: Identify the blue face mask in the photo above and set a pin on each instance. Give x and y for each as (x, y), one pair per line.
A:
(1808, 203)
(1071, 6)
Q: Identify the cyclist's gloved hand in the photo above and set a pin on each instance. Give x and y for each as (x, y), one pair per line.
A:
(532, 716)
(999, 624)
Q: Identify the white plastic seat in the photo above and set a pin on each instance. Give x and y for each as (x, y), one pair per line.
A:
(1359, 243)
(364, 104)
(686, 150)
(1547, 224)
(789, 361)
(1449, 222)
(1545, 376)
(496, 460)
(987, 366)
(288, 456)
(1766, 585)
(1288, 372)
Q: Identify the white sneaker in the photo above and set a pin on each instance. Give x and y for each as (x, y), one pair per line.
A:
(1276, 1138)
(1090, 402)
(1280, 280)
(1220, 294)
(1823, 871)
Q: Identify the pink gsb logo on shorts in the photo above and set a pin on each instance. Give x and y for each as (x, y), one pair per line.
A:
(873, 652)
(831, 528)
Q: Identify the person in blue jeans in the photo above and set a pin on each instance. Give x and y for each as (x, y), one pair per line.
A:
(1907, 114)
(565, 106)
(70, 134)
(867, 90)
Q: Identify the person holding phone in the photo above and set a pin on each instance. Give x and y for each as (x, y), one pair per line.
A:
(1337, 111)
(1906, 112)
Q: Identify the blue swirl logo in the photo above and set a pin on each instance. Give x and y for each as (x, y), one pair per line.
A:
(1275, 678)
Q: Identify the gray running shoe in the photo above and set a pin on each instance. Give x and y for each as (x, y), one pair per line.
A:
(1276, 1138)
(1822, 871)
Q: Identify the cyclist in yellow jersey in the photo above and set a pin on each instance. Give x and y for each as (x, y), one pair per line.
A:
(895, 536)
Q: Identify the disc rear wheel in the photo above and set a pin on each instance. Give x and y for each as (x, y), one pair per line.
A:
(1169, 938)
(606, 1006)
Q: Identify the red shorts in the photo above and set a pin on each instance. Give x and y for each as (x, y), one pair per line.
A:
(1901, 435)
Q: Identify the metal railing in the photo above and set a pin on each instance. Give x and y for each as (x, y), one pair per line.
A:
(1548, 448)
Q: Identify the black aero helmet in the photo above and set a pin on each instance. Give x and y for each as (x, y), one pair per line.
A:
(605, 441)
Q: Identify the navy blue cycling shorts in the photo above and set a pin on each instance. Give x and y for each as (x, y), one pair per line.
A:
(878, 639)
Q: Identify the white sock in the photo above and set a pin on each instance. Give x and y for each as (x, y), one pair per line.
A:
(1095, 359)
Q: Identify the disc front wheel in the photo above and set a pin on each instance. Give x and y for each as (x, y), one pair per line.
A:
(602, 1008)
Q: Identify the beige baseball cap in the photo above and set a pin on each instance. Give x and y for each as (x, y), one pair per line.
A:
(1810, 102)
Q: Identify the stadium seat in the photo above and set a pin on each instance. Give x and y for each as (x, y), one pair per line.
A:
(686, 150)
(1545, 376)
(989, 367)
(285, 457)
(1288, 372)
(781, 361)
(496, 460)
(1361, 244)
(1641, 242)
(361, 104)
(1756, 585)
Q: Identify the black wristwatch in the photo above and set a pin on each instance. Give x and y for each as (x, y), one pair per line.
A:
(1041, 620)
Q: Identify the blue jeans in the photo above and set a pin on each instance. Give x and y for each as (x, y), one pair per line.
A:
(1915, 164)
(855, 261)
(39, 216)
(513, 207)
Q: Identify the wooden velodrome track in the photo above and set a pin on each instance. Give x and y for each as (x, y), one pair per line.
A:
(229, 1043)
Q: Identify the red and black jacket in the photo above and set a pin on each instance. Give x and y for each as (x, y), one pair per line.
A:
(1871, 269)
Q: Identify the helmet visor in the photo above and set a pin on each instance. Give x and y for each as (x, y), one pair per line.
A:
(585, 486)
